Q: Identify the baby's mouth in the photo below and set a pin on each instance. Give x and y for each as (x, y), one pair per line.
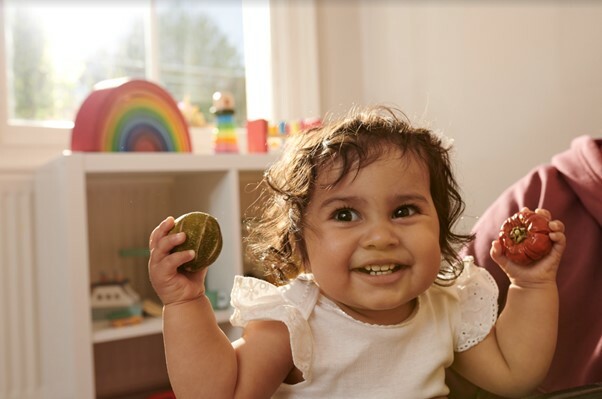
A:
(379, 270)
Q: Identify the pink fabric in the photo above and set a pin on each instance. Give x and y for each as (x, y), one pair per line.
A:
(571, 188)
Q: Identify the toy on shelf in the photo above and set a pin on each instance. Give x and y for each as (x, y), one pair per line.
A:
(152, 308)
(309, 123)
(257, 136)
(116, 301)
(277, 135)
(130, 115)
(263, 136)
(225, 139)
(192, 114)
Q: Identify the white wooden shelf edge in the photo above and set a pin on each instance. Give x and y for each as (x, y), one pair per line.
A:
(167, 162)
(103, 332)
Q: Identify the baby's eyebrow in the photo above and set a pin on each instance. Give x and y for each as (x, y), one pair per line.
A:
(352, 199)
(349, 199)
(412, 197)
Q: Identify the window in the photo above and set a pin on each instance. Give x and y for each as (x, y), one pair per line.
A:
(278, 58)
(56, 52)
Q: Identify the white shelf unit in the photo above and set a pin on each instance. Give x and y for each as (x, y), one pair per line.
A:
(89, 207)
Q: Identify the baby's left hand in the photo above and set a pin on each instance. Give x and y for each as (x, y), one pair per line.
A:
(541, 271)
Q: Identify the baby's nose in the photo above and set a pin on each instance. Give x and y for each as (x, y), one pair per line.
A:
(380, 234)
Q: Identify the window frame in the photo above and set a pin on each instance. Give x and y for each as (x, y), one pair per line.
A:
(279, 65)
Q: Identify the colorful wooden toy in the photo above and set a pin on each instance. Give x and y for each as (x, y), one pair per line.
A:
(130, 115)
(225, 139)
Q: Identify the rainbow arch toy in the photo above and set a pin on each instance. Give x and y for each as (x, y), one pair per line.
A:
(130, 115)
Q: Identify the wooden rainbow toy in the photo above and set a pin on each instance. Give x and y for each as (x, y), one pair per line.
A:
(130, 115)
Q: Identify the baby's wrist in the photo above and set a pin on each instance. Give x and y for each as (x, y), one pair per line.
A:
(533, 284)
(185, 302)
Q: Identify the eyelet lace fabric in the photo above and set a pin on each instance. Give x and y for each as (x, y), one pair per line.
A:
(255, 299)
(477, 292)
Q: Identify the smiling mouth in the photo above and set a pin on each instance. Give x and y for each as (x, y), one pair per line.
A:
(379, 270)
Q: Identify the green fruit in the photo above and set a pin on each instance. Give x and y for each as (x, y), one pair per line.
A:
(203, 235)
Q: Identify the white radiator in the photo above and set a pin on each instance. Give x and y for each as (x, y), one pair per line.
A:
(19, 348)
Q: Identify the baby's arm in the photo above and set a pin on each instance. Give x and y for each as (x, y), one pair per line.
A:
(516, 355)
(201, 361)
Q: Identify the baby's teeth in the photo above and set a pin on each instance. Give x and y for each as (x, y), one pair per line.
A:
(376, 270)
(380, 273)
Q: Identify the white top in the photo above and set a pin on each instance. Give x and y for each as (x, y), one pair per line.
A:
(341, 357)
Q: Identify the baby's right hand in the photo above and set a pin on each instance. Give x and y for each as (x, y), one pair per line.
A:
(172, 286)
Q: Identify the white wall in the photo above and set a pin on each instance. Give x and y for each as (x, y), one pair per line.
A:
(511, 82)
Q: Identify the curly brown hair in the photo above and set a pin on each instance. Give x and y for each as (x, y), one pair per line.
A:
(275, 241)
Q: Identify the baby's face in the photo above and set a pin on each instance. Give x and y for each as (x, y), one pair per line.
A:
(373, 240)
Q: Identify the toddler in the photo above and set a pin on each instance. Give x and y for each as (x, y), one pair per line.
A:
(365, 295)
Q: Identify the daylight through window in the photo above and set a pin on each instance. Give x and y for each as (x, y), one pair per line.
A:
(56, 52)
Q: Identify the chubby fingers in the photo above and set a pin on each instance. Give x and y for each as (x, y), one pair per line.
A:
(161, 243)
(160, 231)
(556, 226)
(496, 250)
(543, 212)
(558, 237)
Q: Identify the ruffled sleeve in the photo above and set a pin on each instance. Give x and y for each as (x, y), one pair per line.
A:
(477, 294)
(255, 299)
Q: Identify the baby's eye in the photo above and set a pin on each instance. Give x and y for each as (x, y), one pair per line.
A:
(345, 215)
(405, 211)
